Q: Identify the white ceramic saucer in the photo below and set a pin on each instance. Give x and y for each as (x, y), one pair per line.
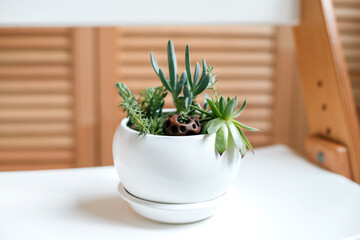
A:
(172, 213)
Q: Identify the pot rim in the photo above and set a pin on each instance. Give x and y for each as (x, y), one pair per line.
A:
(132, 131)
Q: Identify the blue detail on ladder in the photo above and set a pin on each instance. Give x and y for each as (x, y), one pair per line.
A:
(320, 157)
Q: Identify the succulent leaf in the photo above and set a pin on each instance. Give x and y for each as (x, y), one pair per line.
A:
(202, 111)
(221, 139)
(186, 90)
(154, 63)
(186, 102)
(188, 66)
(203, 84)
(229, 109)
(240, 110)
(164, 81)
(245, 139)
(235, 135)
(213, 108)
(243, 150)
(205, 127)
(215, 125)
(204, 70)
(222, 104)
(124, 91)
(196, 73)
(191, 98)
(181, 83)
(205, 102)
(172, 64)
(245, 127)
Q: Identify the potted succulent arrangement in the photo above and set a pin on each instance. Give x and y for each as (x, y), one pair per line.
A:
(176, 165)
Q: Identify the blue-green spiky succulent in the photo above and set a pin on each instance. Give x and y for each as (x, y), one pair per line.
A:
(188, 84)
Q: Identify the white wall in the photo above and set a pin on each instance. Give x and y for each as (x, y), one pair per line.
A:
(146, 12)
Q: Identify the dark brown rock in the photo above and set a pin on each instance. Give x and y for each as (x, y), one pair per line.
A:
(178, 125)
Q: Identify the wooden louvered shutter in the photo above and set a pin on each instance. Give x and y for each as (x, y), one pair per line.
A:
(57, 84)
(244, 57)
(348, 17)
(46, 98)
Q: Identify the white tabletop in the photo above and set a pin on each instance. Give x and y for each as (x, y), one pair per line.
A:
(278, 195)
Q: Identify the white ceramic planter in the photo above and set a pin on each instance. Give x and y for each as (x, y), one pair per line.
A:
(171, 169)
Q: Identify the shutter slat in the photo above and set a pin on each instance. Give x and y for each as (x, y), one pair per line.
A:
(211, 44)
(347, 13)
(147, 72)
(35, 100)
(347, 2)
(35, 86)
(35, 42)
(33, 129)
(353, 67)
(32, 114)
(35, 142)
(38, 57)
(22, 71)
(348, 27)
(137, 58)
(351, 40)
(35, 156)
(352, 53)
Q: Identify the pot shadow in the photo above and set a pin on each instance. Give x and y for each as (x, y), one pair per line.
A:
(116, 210)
